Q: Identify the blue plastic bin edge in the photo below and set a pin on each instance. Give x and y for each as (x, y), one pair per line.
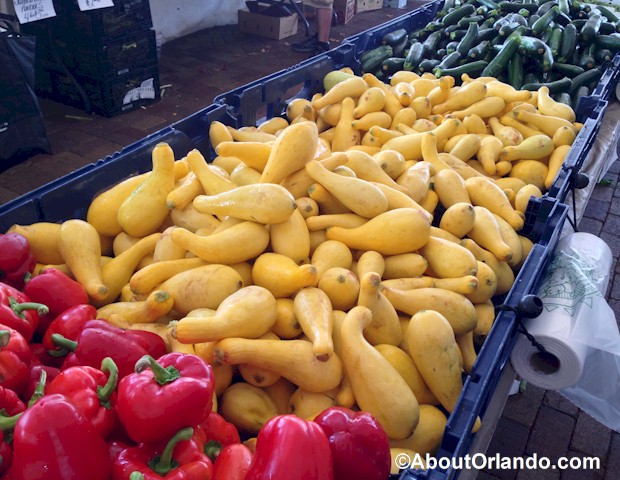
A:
(494, 353)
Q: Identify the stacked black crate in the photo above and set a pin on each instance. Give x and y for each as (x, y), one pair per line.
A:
(102, 60)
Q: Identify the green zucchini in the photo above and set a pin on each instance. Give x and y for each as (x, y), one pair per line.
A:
(567, 69)
(490, 4)
(394, 38)
(451, 47)
(608, 14)
(545, 36)
(414, 56)
(569, 42)
(431, 43)
(555, 40)
(603, 55)
(541, 24)
(399, 49)
(457, 34)
(515, 71)
(468, 40)
(450, 60)
(486, 34)
(515, 6)
(392, 64)
(442, 52)
(532, 19)
(428, 64)
(591, 27)
(578, 22)
(563, 97)
(471, 68)
(585, 79)
(586, 60)
(608, 41)
(465, 21)
(554, 87)
(607, 28)
(479, 51)
(580, 93)
(544, 7)
(455, 15)
(547, 59)
(531, 45)
(498, 64)
(562, 19)
(372, 59)
(564, 6)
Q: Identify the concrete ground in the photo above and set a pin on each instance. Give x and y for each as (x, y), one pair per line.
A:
(207, 63)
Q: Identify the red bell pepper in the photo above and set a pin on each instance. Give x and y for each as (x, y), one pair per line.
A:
(177, 460)
(99, 339)
(10, 403)
(69, 324)
(6, 454)
(289, 447)
(52, 440)
(359, 444)
(233, 462)
(163, 396)
(92, 392)
(18, 312)
(216, 433)
(16, 259)
(15, 358)
(34, 382)
(56, 290)
(40, 356)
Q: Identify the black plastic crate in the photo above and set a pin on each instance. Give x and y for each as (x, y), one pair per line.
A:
(125, 16)
(595, 110)
(106, 97)
(109, 57)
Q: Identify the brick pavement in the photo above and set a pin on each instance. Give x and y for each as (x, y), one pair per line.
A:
(202, 65)
(544, 422)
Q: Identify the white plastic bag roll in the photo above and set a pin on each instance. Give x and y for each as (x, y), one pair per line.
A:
(575, 317)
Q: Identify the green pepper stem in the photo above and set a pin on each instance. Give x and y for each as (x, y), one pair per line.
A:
(8, 423)
(163, 463)
(136, 476)
(160, 374)
(39, 391)
(61, 341)
(212, 449)
(5, 338)
(104, 392)
(19, 308)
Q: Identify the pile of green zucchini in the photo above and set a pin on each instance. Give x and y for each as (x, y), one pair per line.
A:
(563, 44)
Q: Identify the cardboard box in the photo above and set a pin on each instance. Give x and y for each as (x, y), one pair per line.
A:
(345, 10)
(367, 5)
(267, 26)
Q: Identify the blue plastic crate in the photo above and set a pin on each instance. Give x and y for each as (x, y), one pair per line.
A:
(70, 195)
(595, 110)
(479, 386)
(605, 88)
(267, 97)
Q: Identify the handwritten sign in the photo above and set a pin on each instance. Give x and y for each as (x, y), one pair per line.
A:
(33, 10)
(94, 4)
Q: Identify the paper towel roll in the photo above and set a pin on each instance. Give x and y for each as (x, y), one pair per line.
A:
(576, 277)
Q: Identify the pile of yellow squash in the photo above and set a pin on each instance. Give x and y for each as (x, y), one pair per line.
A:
(303, 262)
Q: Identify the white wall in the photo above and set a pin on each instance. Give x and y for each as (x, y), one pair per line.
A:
(176, 18)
